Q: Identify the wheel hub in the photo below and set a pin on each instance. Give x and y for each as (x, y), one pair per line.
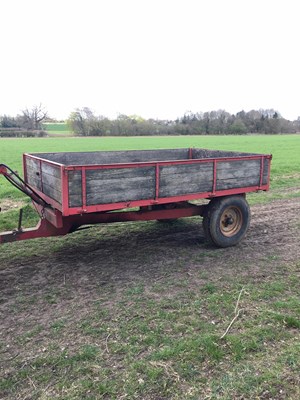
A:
(231, 221)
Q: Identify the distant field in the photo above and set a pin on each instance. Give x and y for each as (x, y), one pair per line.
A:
(57, 129)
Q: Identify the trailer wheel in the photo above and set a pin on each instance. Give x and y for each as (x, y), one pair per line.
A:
(226, 220)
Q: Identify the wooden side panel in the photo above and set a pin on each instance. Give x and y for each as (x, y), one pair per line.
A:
(179, 179)
(75, 188)
(44, 177)
(120, 184)
(235, 174)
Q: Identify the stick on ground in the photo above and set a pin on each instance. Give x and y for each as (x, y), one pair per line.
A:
(236, 312)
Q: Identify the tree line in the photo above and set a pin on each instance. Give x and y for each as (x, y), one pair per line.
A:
(264, 121)
(84, 122)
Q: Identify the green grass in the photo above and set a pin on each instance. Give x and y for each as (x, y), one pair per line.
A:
(151, 347)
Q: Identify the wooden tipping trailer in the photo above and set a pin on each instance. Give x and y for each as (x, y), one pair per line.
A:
(73, 189)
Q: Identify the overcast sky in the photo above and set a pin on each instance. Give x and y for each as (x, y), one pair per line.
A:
(154, 58)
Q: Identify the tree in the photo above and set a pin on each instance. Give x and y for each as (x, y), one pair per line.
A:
(238, 127)
(33, 118)
(9, 122)
(77, 122)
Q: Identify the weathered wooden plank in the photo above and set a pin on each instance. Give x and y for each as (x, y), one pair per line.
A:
(75, 188)
(236, 169)
(112, 186)
(184, 189)
(53, 193)
(33, 171)
(120, 186)
(32, 163)
(75, 200)
(75, 181)
(52, 170)
(117, 197)
(52, 181)
(33, 174)
(75, 177)
(186, 168)
(185, 179)
(118, 173)
(34, 180)
(235, 183)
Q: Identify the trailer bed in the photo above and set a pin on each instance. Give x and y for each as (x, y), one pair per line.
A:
(88, 182)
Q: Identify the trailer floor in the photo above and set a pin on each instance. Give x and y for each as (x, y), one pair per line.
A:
(80, 296)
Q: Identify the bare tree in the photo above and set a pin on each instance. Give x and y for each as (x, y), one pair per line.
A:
(33, 118)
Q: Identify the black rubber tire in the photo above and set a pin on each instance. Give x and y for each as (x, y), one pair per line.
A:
(226, 220)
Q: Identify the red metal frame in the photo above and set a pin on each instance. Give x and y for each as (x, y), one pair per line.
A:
(66, 210)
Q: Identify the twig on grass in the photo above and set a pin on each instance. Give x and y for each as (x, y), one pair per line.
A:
(106, 340)
(236, 312)
(32, 383)
(238, 300)
(167, 368)
(230, 325)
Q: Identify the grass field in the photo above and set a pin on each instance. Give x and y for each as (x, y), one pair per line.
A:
(149, 310)
(57, 129)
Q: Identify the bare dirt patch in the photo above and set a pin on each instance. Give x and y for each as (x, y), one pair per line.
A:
(9, 204)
